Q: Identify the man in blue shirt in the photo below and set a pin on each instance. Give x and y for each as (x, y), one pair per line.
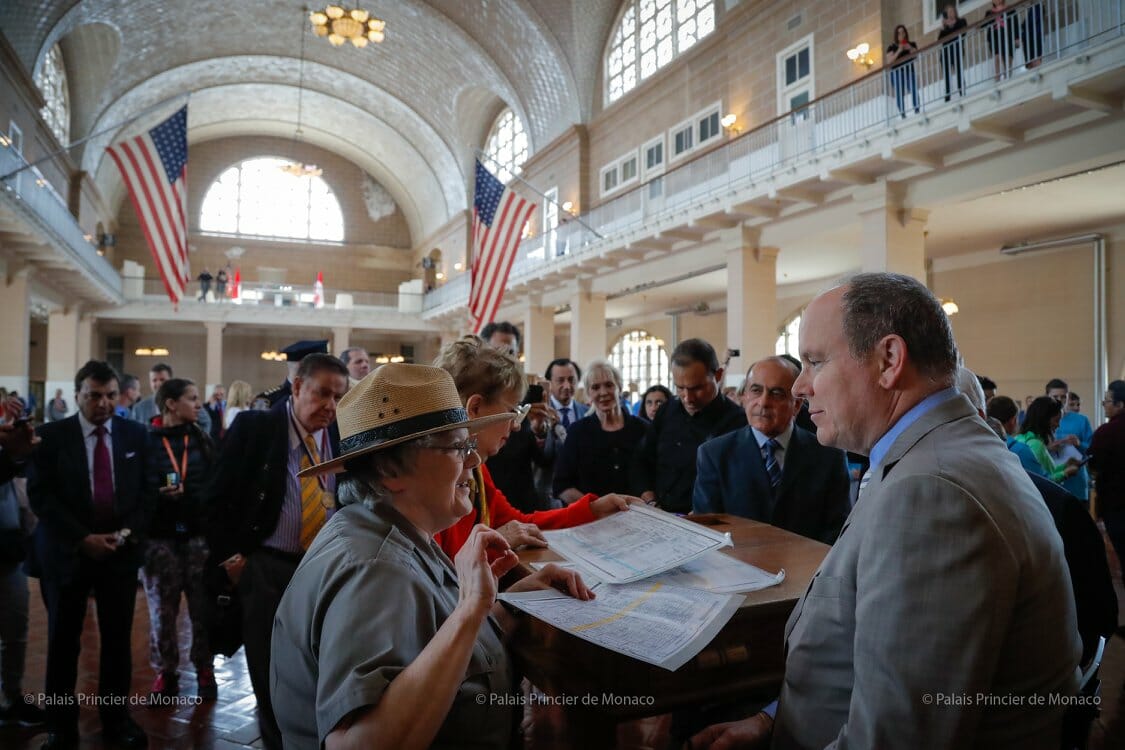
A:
(1075, 430)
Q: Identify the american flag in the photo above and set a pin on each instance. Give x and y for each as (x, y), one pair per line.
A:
(499, 216)
(154, 165)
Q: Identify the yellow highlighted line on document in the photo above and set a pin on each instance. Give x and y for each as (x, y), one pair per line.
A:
(618, 615)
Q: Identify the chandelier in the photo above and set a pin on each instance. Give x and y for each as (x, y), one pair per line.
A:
(297, 168)
(342, 25)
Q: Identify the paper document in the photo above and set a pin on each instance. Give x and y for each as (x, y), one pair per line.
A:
(636, 544)
(1065, 453)
(653, 622)
(715, 571)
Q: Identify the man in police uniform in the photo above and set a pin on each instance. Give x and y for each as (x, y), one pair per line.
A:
(294, 353)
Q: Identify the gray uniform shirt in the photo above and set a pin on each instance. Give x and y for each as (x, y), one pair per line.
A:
(366, 599)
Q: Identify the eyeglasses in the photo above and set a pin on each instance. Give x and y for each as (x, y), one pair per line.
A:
(462, 448)
(520, 414)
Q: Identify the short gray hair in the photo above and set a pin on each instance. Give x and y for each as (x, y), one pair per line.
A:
(602, 365)
(363, 482)
(876, 305)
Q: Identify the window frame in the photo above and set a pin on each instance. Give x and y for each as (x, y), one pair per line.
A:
(658, 169)
(716, 111)
(684, 125)
(617, 168)
(47, 113)
(506, 172)
(807, 84)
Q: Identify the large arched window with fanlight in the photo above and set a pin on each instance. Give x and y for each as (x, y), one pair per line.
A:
(650, 34)
(51, 81)
(642, 359)
(256, 197)
(506, 148)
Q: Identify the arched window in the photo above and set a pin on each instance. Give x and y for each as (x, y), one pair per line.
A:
(650, 35)
(506, 147)
(642, 360)
(787, 340)
(256, 197)
(52, 83)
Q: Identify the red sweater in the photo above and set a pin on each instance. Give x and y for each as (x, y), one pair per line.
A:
(496, 511)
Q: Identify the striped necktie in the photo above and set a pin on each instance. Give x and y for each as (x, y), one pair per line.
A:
(773, 468)
(863, 483)
(312, 496)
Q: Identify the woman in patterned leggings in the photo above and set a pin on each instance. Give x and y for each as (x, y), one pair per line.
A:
(180, 457)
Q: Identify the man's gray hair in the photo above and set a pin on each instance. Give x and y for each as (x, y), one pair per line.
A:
(876, 305)
(969, 384)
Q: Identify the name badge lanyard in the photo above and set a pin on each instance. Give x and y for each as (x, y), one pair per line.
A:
(182, 469)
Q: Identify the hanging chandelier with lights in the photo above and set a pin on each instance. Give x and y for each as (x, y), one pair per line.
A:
(341, 25)
(295, 167)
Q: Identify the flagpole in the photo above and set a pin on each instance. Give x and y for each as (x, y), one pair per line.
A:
(82, 140)
(545, 197)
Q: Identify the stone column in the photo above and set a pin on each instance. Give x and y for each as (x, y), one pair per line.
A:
(341, 339)
(15, 328)
(63, 329)
(587, 325)
(751, 303)
(214, 355)
(893, 235)
(538, 336)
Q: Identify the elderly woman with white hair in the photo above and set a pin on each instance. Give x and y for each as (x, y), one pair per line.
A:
(380, 640)
(599, 447)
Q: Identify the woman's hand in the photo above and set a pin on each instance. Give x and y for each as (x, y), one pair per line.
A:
(612, 503)
(476, 577)
(518, 534)
(554, 576)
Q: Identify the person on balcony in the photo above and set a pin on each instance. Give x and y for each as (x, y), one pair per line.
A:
(952, 27)
(204, 284)
(900, 56)
(1001, 24)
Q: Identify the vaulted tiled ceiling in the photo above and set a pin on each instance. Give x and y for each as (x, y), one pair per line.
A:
(410, 111)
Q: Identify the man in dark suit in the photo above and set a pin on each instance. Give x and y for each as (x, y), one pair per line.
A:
(85, 483)
(771, 470)
(264, 517)
(215, 407)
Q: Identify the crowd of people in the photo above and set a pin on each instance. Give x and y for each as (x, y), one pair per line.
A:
(374, 511)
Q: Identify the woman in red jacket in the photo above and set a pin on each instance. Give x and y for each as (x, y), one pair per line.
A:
(491, 382)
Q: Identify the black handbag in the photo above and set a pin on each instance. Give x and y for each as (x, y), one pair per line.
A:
(224, 615)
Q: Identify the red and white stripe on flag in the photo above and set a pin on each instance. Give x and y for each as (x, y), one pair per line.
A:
(499, 216)
(154, 167)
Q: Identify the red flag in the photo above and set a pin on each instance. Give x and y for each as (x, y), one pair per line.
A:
(236, 287)
(499, 216)
(154, 166)
(318, 291)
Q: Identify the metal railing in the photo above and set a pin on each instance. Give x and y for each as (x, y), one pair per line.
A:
(33, 192)
(936, 77)
(269, 294)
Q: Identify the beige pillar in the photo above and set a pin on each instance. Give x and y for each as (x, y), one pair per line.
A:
(893, 234)
(538, 336)
(214, 367)
(587, 325)
(751, 304)
(62, 356)
(15, 328)
(341, 339)
(85, 339)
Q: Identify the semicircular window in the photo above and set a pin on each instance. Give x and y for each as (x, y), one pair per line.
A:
(255, 197)
(52, 84)
(506, 147)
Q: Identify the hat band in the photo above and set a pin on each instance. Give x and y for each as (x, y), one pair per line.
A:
(404, 427)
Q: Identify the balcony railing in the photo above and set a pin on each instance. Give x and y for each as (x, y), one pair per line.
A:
(32, 192)
(976, 61)
(269, 294)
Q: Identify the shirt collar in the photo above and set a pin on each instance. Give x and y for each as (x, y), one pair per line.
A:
(558, 404)
(784, 438)
(297, 434)
(883, 444)
(425, 548)
(88, 426)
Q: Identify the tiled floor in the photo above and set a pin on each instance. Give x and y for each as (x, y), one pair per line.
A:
(230, 723)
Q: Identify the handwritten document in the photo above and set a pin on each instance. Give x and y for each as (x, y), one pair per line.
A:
(651, 621)
(637, 544)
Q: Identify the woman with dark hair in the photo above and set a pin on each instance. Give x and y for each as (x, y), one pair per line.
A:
(900, 56)
(180, 457)
(952, 25)
(1038, 431)
(655, 397)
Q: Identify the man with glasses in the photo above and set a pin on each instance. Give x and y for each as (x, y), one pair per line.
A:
(772, 470)
(1074, 430)
(265, 517)
(1107, 459)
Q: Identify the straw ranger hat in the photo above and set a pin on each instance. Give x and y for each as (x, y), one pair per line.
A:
(396, 403)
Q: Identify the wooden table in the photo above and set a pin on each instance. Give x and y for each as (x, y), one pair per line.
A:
(745, 659)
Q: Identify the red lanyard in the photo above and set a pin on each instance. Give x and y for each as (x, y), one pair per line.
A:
(172, 458)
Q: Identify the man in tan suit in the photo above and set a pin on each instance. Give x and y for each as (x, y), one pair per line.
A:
(943, 616)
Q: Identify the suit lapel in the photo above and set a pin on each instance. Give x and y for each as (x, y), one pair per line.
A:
(75, 455)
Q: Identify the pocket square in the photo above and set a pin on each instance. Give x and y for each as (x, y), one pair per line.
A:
(131, 454)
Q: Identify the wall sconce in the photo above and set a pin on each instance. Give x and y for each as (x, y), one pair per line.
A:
(570, 208)
(858, 55)
(458, 266)
(439, 275)
(158, 351)
(729, 121)
(274, 357)
(950, 307)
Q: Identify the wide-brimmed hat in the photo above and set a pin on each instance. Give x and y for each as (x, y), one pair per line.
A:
(396, 403)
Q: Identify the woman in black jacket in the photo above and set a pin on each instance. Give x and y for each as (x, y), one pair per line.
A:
(180, 457)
